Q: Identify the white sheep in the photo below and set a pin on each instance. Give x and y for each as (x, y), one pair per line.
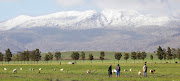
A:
(40, 69)
(125, 70)
(20, 68)
(114, 71)
(32, 69)
(5, 69)
(54, 69)
(139, 73)
(130, 69)
(61, 69)
(14, 70)
(88, 71)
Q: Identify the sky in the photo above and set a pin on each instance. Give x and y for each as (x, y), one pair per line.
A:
(13, 8)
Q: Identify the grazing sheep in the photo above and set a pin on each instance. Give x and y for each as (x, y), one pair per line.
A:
(114, 71)
(125, 70)
(40, 69)
(130, 69)
(32, 69)
(176, 62)
(54, 69)
(70, 62)
(166, 62)
(88, 71)
(139, 73)
(14, 70)
(152, 71)
(5, 69)
(20, 68)
(61, 69)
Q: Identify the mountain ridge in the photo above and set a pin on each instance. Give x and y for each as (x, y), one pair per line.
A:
(109, 30)
(86, 20)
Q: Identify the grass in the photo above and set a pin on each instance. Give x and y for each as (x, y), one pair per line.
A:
(164, 72)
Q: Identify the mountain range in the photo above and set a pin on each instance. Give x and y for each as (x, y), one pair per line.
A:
(109, 30)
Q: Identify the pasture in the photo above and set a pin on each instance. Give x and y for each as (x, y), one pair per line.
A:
(164, 72)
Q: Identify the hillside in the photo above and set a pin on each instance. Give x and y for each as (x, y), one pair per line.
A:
(109, 30)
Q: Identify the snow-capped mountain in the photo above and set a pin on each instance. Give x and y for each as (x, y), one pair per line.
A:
(109, 30)
(86, 20)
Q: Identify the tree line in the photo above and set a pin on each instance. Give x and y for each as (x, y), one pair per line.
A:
(35, 55)
(134, 55)
(168, 54)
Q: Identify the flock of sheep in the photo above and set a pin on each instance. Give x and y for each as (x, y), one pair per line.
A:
(32, 69)
(88, 71)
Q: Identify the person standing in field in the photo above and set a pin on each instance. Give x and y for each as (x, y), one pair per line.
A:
(145, 70)
(118, 69)
(110, 71)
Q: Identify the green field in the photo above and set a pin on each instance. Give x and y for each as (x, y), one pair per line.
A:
(164, 72)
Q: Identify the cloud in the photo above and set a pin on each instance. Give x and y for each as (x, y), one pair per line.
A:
(70, 3)
(158, 7)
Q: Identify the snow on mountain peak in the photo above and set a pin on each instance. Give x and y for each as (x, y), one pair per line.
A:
(85, 20)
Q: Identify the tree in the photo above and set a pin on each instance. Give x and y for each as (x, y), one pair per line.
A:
(133, 56)
(33, 56)
(118, 56)
(169, 54)
(37, 55)
(91, 57)
(1, 57)
(46, 58)
(164, 54)
(50, 56)
(160, 53)
(75, 56)
(14, 58)
(17, 57)
(27, 54)
(57, 55)
(178, 54)
(173, 53)
(138, 56)
(151, 57)
(102, 54)
(8, 55)
(143, 56)
(83, 56)
(126, 56)
(22, 56)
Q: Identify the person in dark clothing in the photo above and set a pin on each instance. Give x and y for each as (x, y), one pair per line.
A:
(118, 69)
(110, 71)
(145, 70)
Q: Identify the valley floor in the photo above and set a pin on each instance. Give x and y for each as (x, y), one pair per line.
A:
(164, 72)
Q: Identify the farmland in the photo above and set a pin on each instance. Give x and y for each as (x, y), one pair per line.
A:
(77, 71)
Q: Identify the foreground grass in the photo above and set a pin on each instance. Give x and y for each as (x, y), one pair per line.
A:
(164, 72)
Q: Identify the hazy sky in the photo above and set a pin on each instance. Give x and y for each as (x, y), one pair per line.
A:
(12, 8)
